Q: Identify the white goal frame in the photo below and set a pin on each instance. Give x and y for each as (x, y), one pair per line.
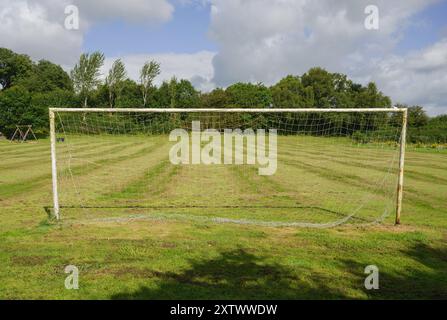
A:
(402, 142)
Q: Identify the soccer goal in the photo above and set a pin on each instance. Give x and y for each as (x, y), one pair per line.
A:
(275, 167)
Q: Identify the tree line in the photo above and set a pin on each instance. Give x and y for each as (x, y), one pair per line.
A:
(29, 88)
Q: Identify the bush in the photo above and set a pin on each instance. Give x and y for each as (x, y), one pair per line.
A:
(15, 109)
(361, 137)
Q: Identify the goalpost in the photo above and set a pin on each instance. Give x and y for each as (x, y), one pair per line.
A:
(281, 167)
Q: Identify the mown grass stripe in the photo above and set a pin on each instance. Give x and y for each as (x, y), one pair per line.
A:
(29, 184)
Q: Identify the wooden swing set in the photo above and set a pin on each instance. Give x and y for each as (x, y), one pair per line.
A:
(22, 132)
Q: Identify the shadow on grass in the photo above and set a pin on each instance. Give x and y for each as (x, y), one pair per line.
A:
(239, 274)
(425, 277)
(233, 275)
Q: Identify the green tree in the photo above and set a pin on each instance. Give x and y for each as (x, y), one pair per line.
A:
(322, 85)
(422, 128)
(86, 73)
(417, 117)
(217, 98)
(436, 129)
(13, 67)
(46, 76)
(40, 101)
(439, 122)
(163, 95)
(344, 91)
(15, 109)
(248, 95)
(130, 96)
(148, 73)
(173, 91)
(114, 81)
(99, 98)
(289, 92)
(370, 97)
(186, 95)
(177, 94)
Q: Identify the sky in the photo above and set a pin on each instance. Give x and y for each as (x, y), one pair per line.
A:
(214, 43)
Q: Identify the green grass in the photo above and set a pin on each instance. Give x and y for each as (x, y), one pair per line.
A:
(148, 229)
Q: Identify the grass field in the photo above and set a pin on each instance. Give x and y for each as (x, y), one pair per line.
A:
(153, 230)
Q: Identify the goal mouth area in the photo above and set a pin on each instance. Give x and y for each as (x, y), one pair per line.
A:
(329, 166)
(241, 215)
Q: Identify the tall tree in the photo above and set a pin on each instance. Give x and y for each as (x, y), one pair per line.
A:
(16, 109)
(217, 98)
(371, 97)
(177, 94)
(13, 67)
(417, 117)
(248, 95)
(163, 95)
(148, 73)
(114, 80)
(130, 95)
(186, 96)
(289, 92)
(322, 86)
(85, 75)
(173, 91)
(46, 76)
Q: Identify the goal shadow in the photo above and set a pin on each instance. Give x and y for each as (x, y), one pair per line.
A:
(233, 274)
(241, 273)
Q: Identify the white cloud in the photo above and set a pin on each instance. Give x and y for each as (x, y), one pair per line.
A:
(27, 27)
(138, 11)
(419, 78)
(264, 40)
(36, 27)
(196, 67)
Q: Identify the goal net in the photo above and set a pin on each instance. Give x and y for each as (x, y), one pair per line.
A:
(276, 167)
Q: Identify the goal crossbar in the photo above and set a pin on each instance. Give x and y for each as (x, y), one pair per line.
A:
(230, 110)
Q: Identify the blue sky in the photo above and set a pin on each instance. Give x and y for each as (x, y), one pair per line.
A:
(426, 27)
(187, 32)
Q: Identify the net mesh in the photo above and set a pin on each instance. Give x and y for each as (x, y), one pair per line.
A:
(331, 168)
